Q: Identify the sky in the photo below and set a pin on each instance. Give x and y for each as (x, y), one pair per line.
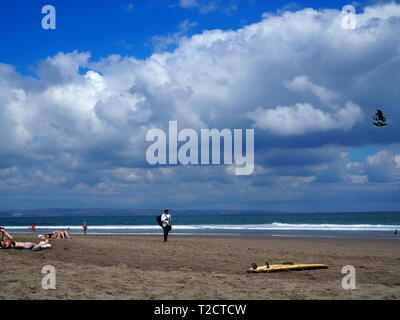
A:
(77, 101)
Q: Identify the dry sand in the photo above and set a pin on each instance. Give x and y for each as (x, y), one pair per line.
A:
(200, 268)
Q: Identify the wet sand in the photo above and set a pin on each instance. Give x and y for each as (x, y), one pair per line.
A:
(200, 268)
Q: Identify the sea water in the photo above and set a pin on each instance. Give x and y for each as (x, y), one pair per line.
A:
(347, 225)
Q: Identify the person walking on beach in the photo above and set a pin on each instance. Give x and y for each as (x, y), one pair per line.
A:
(33, 227)
(85, 226)
(166, 223)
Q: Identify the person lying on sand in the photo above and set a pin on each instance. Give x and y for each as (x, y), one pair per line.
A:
(57, 235)
(11, 244)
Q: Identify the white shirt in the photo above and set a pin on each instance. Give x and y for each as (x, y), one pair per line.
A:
(165, 219)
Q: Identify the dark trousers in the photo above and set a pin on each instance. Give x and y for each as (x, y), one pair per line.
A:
(166, 230)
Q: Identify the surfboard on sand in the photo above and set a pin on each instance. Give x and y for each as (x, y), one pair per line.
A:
(285, 267)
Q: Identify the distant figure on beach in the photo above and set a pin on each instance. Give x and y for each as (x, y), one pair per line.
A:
(33, 228)
(11, 244)
(166, 223)
(395, 231)
(85, 226)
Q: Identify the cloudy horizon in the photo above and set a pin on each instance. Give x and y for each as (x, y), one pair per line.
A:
(73, 127)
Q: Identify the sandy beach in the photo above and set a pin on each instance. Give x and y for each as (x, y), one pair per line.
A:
(200, 268)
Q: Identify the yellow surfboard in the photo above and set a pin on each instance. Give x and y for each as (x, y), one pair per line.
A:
(287, 267)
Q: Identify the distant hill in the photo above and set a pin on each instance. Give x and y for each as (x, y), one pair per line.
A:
(118, 212)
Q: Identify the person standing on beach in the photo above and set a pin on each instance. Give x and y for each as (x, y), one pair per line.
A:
(33, 227)
(85, 226)
(166, 223)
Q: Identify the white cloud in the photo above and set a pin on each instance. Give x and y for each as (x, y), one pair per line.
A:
(207, 6)
(304, 118)
(357, 178)
(397, 161)
(382, 167)
(188, 3)
(82, 118)
(63, 67)
(163, 42)
(8, 172)
(304, 84)
(354, 167)
(379, 158)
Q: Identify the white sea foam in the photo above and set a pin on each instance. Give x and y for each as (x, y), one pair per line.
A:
(237, 227)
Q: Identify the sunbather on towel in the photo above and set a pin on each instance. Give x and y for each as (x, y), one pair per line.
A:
(57, 235)
(11, 244)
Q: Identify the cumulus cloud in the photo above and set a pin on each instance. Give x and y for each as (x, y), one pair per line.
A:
(383, 167)
(62, 68)
(80, 124)
(379, 168)
(304, 84)
(303, 118)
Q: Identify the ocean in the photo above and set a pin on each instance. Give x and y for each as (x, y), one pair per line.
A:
(344, 225)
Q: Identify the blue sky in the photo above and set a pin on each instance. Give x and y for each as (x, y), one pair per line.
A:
(76, 103)
(120, 27)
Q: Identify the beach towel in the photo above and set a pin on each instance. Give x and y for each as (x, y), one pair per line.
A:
(46, 246)
(35, 248)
